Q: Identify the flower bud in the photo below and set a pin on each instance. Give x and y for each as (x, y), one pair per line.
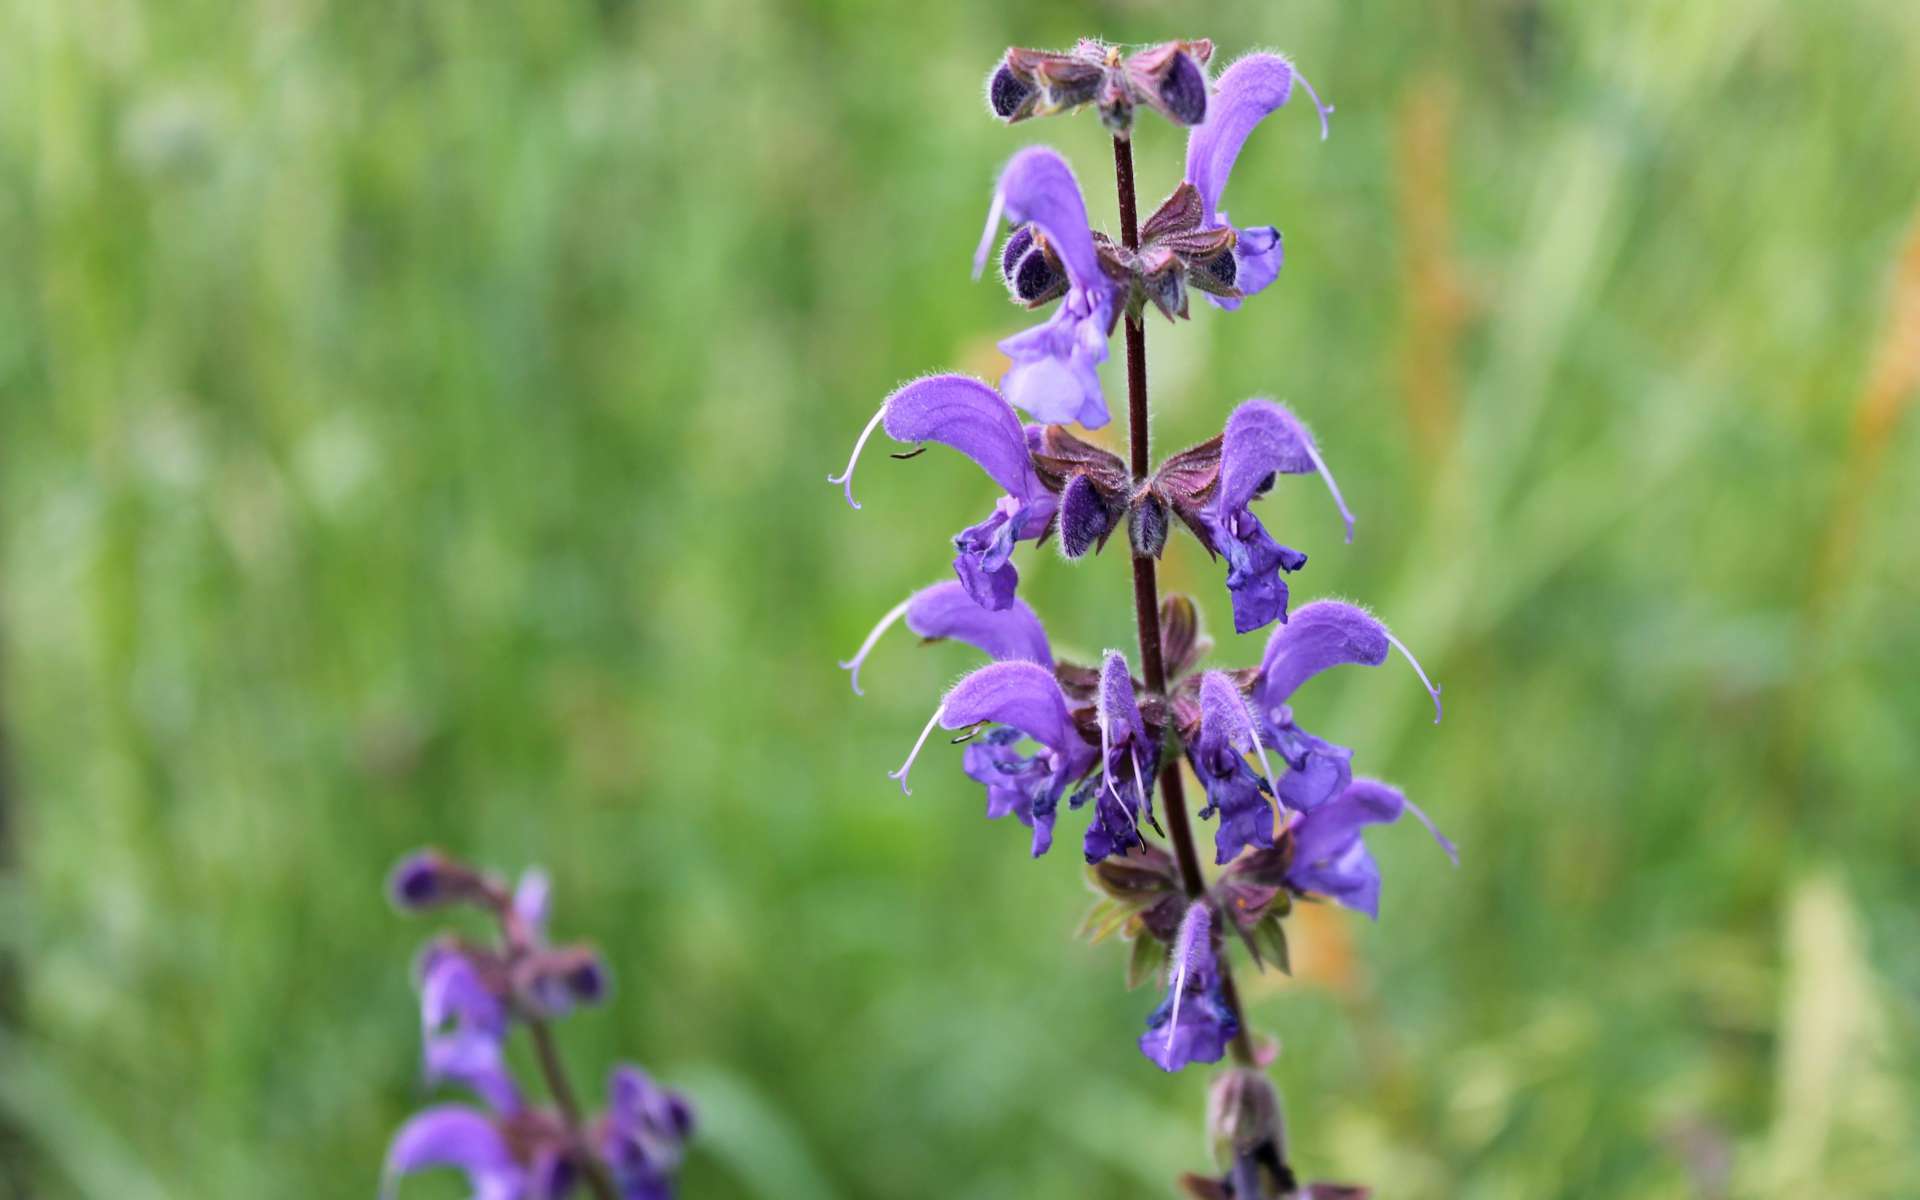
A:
(1243, 1115)
(1147, 525)
(1217, 274)
(1183, 90)
(551, 982)
(429, 879)
(1008, 94)
(1172, 78)
(1085, 518)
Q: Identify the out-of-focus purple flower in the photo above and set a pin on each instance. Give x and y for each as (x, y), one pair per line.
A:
(512, 1153)
(552, 982)
(1055, 375)
(945, 610)
(454, 1136)
(463, 1020)
(430, 879)
(1026, 699)
(643, 1135)
(1130, 755)
(1194, 1023)
(1262, 441)
(1217, 753)
(1326, 633)
(1329, 857)
(1244, 94)
(975, 420)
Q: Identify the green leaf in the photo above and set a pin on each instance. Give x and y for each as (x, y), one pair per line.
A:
(1269, 941)
(1149, 959)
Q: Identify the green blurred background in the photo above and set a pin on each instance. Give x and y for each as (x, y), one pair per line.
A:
(415, 424)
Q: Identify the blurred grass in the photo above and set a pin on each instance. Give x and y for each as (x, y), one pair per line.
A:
(415, 418)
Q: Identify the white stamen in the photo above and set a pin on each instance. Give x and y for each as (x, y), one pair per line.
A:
(986, 235)
(1320, 465)
(907, 766)
(1445, 843)
(846, 477)
(1428, 683)
(1179, 993)
(1324, 109)
(860, 656)
(1266, 766)
(1198, 923)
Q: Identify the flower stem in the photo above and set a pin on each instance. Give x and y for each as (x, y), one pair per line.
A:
(1146, 594)
(562, 1091)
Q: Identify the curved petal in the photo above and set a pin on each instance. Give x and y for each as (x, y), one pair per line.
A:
(1325, 832)
(474, 1061)
(1037, 186)
(1223, 714)
(1329, 855)
(945, 610)
(451, 1136)
(1242, 97)
(1021, 694)
(1263, 438)
(451, 990)
(1119, 710)
(1325, 633)
(971, 417)
(1348, 876)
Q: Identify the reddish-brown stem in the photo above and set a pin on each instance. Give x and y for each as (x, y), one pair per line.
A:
(556, 1076)
(554, 1072)
(1146, 596)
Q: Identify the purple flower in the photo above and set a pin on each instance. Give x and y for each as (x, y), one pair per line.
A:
(1217, 753)
(945, 610)
(513, 1153)
(463, 1021)
(1329, 857)
(1194, 1023)
(1326, 633)
(1129, 755)
(1026, 700)
(972, 418)
(550, 982)
(1262, 441)
(1055, 374)
(454, 1136)
(643, 1135)
(1245, 93)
